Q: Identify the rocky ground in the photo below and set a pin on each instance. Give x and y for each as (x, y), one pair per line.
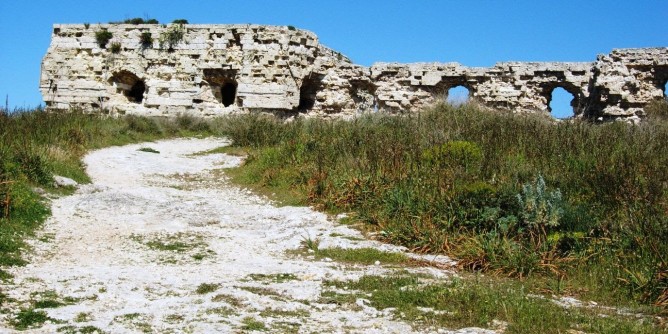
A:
(162, 243)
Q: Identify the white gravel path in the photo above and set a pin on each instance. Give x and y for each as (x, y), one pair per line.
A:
(95, 249)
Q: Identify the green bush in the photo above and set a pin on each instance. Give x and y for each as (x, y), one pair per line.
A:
(139, 20)
(146, 39)
(115, 47)
(172, 36)
(102, 37)
(180, 21)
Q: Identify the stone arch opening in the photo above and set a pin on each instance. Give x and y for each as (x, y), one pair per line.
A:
(457, 95)
(130, 85)
(228, 93)
(308, 92)
(223, 85)
(561, 103)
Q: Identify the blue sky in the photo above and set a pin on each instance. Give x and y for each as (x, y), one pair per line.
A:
(474, 33)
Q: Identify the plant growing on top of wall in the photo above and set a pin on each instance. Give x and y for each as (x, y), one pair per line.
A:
(102, 37)
(291, 28)
(172, 36)
(146, 39)
(180, 21)
(86, 25)
(139, 20)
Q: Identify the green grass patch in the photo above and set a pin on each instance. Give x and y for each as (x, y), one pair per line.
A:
(80, 330)
(178, 242)
(205, 288)
(252, 324)
(260, 291)
(478, 302)
(148, 150)
(273, 278)
(229, 150)
(367, 256)
(29, 318)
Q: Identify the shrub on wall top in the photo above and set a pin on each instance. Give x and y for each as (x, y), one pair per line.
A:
(102, 37)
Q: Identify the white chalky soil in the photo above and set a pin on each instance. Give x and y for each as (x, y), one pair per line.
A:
(97, 249)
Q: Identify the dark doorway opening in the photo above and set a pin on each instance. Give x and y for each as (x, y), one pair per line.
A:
(308, 92)
(228, 93)
(136, 93)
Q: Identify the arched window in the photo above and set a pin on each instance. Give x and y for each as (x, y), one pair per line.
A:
(457, 95)
(561, 103)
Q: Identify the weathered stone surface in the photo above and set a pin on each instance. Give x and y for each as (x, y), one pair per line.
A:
(219, 69)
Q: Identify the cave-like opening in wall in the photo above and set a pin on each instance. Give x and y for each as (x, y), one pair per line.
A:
(228, 93)
(130, 85)
(457, 95)
(308, 92)
(562, 104)
(223, 85)
(136, 93)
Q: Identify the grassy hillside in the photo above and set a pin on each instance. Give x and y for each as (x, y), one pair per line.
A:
(573, 206)
(561, 208)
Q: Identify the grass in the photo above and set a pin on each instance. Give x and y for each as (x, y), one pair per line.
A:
(366, 256)
(479, 302)
(178, 242)
(274, 278)
(35, 145)
(572, 206)
(29, 318)
(148, 149)
(251, 324)
(205, 288)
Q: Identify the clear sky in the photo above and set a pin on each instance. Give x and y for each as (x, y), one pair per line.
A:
(474, 33)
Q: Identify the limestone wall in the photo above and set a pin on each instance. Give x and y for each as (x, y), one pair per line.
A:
(219, 69)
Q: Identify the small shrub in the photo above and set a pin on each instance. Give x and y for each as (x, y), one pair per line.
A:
(292, 28)
(539, 209)
(146, 39)
(86, 25)
(136, 20)
(102, 37)
(180, 21)
(172, 36)
(115, 47)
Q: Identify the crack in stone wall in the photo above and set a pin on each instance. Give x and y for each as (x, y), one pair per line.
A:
(220, 69)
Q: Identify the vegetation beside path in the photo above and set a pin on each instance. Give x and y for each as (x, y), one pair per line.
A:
(542, 209)
(566, 208)
(35, 146)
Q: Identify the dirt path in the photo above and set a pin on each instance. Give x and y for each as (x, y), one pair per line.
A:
(161, 243)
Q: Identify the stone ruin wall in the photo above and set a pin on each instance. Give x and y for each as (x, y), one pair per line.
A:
(220, 69)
